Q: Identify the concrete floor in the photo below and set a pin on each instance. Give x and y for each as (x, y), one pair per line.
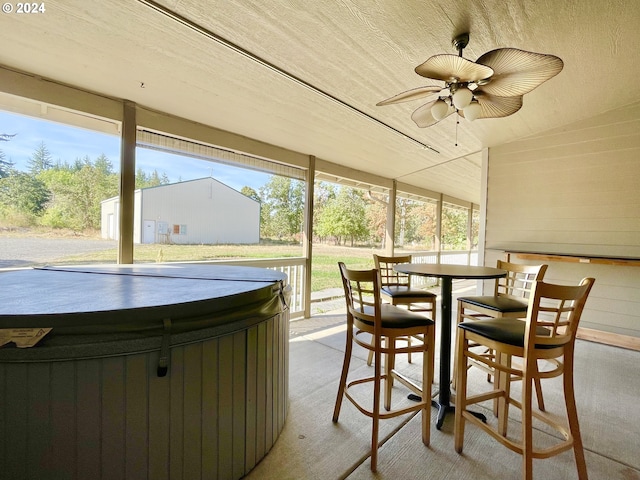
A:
(311, 446)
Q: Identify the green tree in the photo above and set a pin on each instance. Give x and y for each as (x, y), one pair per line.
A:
(5, 165)
(454, 228)
(250, 192)
(424, 217)
(323, 193)
(77, 191)
(415, 223)
(344, 217)
(377, 217)
(146, 180)
(41, 160)
(23, 193)
(282, 207)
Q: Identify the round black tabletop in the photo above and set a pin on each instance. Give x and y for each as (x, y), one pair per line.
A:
(450, 271)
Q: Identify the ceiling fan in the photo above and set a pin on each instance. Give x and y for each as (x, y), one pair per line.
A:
(490, 87)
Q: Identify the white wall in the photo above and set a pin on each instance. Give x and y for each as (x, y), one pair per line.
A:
(212, 212)
(575, 190)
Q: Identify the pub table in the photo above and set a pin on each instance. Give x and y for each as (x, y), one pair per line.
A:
(447, 273)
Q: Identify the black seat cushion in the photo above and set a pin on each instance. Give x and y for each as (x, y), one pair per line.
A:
(504, 330)
(400, 291)
(396, 317)
(496, 303)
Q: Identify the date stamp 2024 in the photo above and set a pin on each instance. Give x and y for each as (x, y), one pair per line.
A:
(24, 7)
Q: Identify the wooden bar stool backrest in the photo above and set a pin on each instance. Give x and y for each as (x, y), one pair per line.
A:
(519, 280)
(396, 288)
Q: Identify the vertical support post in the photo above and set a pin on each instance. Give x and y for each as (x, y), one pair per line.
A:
(484, 194)
(307, 234)
(482, 227)
(390, 230)
(469, 231)
(127, 182)
(438, 239)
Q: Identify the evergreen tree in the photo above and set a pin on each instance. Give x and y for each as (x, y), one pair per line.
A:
(41, 160)
(77, 191)
(5, 165)
(145, 180)
(23, 193)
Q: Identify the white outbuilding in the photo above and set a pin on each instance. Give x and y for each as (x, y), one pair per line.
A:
(201, 211)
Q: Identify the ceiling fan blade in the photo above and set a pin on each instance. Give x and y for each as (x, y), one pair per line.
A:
(495, 107)
(517, 72)
(423, 117)
(409, 95)
(451, 68)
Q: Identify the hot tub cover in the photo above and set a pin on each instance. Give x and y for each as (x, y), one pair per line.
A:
(116, 308)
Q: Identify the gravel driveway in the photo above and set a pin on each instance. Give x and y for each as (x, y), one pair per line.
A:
(28, 251)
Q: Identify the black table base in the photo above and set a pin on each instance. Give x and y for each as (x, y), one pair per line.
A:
(447, 273)
(443, 409)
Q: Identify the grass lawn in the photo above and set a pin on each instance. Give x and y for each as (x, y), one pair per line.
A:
(325, 257)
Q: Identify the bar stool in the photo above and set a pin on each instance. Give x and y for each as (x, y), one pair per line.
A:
(509, 300)
(548, 333)
(366, 314)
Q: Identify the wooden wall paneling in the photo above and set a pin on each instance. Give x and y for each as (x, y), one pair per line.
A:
(574, 190)
(261, 392)
(63, 414)
(4, 400)
(38, 425)
(282, 379)
(216, 414)
(88, 414)
(193, 406)
(14, 438)
(225, 405)
(269, 386)
(176, 426)
(136, 416)
(159, 419)
(251, 402)
(210, 409)
(113, 421)
(239, 403)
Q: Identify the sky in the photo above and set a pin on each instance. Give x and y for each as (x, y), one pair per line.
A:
(66, 143)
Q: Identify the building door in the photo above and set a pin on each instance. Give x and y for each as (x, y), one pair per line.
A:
(111, 226)
(149, 231)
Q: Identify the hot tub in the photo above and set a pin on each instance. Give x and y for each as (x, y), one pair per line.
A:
(149, 371)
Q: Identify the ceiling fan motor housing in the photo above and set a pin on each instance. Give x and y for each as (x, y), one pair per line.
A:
(460, 42)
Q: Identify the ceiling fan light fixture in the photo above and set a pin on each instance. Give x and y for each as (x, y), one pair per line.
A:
(472, 111)
(490, 87)
(462, 98)
(439, 110)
